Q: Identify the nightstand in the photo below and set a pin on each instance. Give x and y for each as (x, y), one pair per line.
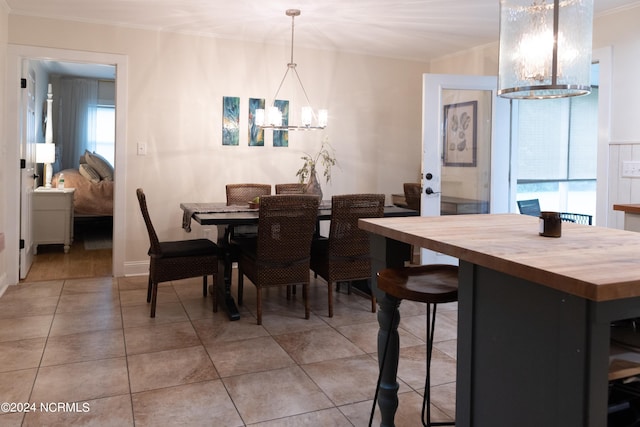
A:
(53, 217)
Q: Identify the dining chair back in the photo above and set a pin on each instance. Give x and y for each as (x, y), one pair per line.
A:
(175, 260)
(412, 194)
(345, 256)
(242, 194)
(529, 207)
(532, 207)
(281, 253)
(293, 188)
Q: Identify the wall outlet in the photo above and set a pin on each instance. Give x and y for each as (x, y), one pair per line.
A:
(142, 149)
(630, 169)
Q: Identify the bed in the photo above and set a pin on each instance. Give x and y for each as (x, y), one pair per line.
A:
(93, 181)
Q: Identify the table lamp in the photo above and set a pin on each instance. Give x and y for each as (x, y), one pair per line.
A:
(46, 154)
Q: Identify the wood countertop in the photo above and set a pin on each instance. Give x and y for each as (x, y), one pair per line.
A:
(596, 263)
(634, 209)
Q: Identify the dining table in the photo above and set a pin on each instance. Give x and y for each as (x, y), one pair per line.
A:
(534, 314)
(224, 217)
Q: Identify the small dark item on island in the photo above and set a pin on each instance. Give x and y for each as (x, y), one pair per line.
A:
(550, 224)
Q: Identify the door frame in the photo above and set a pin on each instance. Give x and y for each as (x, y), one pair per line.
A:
(27, 144)
(15, 55)
(503, 189)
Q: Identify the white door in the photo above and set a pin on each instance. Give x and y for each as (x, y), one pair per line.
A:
(27, 173)
(465, 146)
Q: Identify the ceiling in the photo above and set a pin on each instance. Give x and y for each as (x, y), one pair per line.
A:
(410, 29)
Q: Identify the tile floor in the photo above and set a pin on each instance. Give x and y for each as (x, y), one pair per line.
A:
(91, 341)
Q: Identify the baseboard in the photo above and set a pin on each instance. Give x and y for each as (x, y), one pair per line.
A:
(3, 283)
(136, 268)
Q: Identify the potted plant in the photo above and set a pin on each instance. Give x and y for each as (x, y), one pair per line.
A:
(308, 172)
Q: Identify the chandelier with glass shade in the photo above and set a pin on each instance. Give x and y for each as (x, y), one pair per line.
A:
(272, 117)
(545, 48)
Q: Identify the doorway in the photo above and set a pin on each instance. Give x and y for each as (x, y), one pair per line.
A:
(465, 164)
(79, 118)
(17, 54)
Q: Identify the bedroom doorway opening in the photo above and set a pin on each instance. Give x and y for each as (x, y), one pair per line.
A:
(18, 55)
(83, 122)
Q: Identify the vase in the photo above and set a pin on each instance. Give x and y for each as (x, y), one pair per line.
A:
(313, 185)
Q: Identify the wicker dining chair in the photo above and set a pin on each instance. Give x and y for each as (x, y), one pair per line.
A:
(242, 194)
(344, 256)
(293, 188)
(412, 195)
(280, 255)
(175, 260)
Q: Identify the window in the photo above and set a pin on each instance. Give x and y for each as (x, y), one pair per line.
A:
(106, 132)
(557, 152)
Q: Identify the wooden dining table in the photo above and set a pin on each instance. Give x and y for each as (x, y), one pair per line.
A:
(534, 314)
(224, 217)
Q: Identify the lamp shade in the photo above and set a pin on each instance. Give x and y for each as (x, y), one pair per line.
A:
(45, 153)
(545, 48)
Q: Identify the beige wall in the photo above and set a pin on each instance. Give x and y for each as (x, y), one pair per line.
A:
(4, 25)
(176, 83)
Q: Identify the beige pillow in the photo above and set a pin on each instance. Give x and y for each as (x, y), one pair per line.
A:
(101, 165)
(83, 158)
(90, 173)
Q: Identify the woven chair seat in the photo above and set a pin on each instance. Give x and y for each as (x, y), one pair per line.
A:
(187, 248)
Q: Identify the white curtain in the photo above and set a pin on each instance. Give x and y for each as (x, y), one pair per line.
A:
(76, 106)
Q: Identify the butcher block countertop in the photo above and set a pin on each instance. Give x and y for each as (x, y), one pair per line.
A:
(634, 209)
(597, 263)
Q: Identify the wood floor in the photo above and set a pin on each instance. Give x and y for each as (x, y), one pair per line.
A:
(51, 263)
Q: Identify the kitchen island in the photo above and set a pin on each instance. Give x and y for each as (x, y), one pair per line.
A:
(534, 314)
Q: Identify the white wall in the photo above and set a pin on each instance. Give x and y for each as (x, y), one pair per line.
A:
(4, 34)
(176, 83)
(622, 32)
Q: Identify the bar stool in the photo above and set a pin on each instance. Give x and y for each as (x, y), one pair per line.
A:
(431, 284)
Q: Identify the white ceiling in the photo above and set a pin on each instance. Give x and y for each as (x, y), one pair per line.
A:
(411, 29)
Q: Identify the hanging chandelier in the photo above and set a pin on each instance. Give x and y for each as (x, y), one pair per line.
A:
(274, 117)
(545, 48)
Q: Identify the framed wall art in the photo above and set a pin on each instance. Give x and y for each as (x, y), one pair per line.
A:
(256, 133)
(460, 134)
(230, 120)
(281, 137)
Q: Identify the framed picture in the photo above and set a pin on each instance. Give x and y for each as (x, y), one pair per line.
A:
(281, 137)
(460, 134)
(230, 120)
(256, 133)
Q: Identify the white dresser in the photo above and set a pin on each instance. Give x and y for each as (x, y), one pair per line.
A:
(53, 217)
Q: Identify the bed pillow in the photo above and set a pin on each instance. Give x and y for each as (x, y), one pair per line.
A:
(90, 173)
(101, 165)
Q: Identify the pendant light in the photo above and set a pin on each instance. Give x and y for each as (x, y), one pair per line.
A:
(545, 48)
(272, 117)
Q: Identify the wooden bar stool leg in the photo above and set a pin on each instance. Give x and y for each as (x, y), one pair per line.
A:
(388, 318)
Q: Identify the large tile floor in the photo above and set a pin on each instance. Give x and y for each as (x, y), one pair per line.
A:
(91, 341)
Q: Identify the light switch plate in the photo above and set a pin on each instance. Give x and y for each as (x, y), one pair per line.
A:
(630, 169)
